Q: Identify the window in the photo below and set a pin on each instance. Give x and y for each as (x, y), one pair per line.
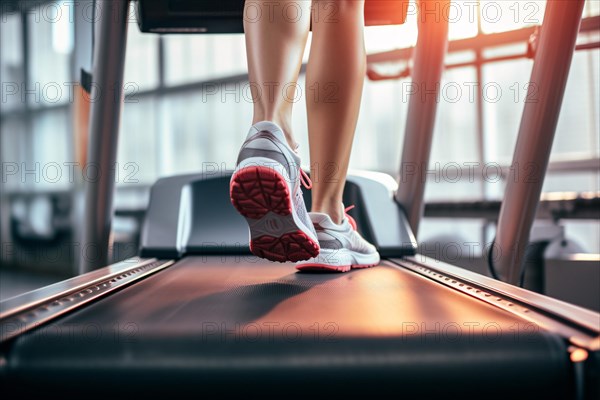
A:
(11, 63)
(141, 66)
(502, 16)
(577, 130)
(504, 89)
(192, 58)
(172, 124)
(12, 153)
(137, 161)
(455, 140)
(50, 46)
(51, 151)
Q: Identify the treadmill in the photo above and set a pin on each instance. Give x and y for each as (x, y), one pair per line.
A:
(197, 313)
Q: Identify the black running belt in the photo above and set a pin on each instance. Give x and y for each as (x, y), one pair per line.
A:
(239, 323)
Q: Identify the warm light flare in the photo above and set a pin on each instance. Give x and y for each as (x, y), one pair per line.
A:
(464, 17)
(579, 355)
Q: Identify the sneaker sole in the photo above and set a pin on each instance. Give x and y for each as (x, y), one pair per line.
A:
(339, 261)
(262, 196)
(315, 267)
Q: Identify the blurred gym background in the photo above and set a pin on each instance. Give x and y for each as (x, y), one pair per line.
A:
(186, 111)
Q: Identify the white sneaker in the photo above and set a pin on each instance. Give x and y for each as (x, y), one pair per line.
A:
(265, 189)
(342, 247)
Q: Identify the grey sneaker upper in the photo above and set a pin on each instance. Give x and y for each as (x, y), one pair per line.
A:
(333, 236)
(301, 211)
(266, 139)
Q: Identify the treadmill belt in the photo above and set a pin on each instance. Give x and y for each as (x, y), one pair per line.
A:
(199, 293)
(213, 320)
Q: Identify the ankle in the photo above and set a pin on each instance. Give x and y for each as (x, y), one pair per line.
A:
(333, 209)
(289, 136)
(283, 123)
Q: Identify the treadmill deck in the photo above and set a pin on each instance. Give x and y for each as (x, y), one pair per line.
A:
(246, 296)
(241, 324)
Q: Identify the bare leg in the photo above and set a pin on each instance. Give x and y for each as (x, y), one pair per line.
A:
(334, 80)
(276, 34)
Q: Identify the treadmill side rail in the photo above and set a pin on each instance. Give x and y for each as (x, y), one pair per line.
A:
(28, 311)
(39, 296)
(576, 324)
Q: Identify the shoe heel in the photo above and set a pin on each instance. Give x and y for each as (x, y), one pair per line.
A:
(258, 190)
(259, 193)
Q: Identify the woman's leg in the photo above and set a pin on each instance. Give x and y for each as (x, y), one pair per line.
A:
(334, 83)
(265, 185)
(276, 33)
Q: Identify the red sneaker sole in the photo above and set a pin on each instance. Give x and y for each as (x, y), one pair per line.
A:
(256, 191)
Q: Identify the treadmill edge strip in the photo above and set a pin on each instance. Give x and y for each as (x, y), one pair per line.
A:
(29, 300)
(578, 333)
(32, 317)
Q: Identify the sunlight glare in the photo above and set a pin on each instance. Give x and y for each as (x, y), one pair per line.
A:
(494, 15)
(502, 16)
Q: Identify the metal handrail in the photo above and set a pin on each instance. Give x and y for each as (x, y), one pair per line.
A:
(534, 143)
